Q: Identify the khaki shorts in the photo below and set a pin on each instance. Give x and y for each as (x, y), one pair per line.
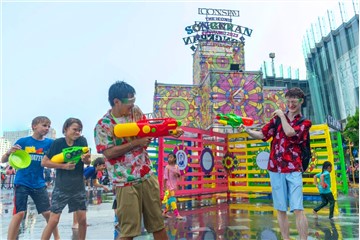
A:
(134, 201)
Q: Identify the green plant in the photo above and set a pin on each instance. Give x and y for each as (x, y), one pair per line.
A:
(351, 131)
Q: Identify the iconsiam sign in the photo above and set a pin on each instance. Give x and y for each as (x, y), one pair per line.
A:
(221, 85)
(216, 29)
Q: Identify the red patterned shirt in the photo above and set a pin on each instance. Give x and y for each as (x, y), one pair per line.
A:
(286, 151)
(130, 168)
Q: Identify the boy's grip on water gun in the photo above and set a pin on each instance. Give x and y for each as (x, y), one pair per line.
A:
(70, 154)
(156, 127)
(234, 120)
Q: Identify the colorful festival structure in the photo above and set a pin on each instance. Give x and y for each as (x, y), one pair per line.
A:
(222, 85)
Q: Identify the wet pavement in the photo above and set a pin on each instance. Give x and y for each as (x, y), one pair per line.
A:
(212, 217)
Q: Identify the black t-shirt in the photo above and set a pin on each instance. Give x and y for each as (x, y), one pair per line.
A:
(68, 180)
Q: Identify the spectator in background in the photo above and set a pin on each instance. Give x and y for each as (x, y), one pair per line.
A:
(90, 173)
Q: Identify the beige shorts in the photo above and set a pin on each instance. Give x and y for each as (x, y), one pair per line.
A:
(134, 201)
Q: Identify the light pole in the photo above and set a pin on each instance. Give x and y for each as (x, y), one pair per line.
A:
(272, 56)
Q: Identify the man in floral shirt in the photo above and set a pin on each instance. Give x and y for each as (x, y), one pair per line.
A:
(285, 165)
(129, 166)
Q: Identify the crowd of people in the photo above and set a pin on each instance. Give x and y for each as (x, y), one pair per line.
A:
(129, 168)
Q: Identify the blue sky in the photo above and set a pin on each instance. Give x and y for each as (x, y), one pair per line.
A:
(59, 58)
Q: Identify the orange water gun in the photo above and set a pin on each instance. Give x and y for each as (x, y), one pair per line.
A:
(70, 154)
(157, 127)
(234, 120)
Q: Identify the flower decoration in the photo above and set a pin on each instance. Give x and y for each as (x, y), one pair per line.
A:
(228, 161)
(313, 162)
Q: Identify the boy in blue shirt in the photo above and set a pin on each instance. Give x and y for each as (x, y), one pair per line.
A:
(30, 181)
(91, 173)
(324, 188)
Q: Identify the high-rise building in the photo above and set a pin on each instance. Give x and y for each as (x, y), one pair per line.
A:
(331, 53)
(12, 136)
(4, 145)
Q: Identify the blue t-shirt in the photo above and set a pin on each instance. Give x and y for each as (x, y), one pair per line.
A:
(326, 180)
(33, 176)
(90, 172)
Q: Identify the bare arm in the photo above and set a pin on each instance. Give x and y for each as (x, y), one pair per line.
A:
(254, 134)
(315, 180)
(288, 130)
(322, 182)
(5, 157)
(97, 184)
(46, 162)
(165, 184)
(117, 151)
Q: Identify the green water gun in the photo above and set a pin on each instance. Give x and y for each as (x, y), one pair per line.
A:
(70, 154)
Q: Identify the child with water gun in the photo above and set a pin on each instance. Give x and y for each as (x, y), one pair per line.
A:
(171, 177)
(128, 162)
(69, 183)
(324, 186)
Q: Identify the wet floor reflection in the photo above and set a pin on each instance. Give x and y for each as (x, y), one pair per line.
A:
(205, 218)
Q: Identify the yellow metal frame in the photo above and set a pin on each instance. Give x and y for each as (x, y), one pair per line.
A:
(246, 148)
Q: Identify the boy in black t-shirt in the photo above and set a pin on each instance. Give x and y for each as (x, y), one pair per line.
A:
(69, 183)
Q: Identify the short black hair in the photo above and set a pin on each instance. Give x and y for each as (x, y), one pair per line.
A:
(69, 122)
(98, 161)
(119, 90)
(326, 164)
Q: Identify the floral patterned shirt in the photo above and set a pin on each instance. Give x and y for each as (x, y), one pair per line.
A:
(130, 168)
(286, 151)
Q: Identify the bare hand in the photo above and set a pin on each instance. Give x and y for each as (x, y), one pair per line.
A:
(143, 142)
(278, 113)
(241, 128)
(69, 166)
(13, 149)
(177, 133)
(105, 189)
(85, 158)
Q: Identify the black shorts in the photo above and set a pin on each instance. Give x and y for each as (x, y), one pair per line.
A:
(75, 200)
(114, 206)
(40, 197)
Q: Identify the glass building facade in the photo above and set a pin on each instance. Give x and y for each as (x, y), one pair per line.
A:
(332, 63)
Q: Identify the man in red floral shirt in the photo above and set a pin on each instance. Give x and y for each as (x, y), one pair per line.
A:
(129, 166)
(285, 166)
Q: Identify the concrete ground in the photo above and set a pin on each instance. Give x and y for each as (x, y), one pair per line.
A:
(205, 218)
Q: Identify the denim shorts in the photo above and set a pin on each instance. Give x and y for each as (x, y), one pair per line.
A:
(40, 197)
(75, 200)
(287, 190)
